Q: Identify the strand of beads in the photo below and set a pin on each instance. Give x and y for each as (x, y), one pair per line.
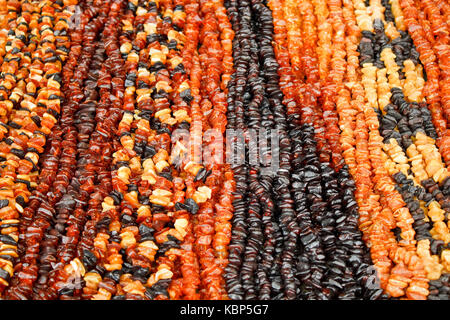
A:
(37, 213)
(346, 108)
(10, 73)
(245, 88)
(235, 117)
(17, 56)
(355, 251)
(377, 223)
(410, 121)
(313, 253)
(153, 148)
(298, 29)
(164, 276)
(121, 237)
(113, 187)
(190, 269)
(415, 119)
(334, 83)
(31, 123)
(274, 277)
(324, 240)
(77, 133)
(432, 86)
(224, 208)
(50, 160)
(336, 75)
(444, 8)
(208, 176)
(441, 47)
(70, 216)
(115, 232)
(309, 180)
(349, 228)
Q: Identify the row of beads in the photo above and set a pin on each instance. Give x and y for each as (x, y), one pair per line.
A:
(31, 99)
